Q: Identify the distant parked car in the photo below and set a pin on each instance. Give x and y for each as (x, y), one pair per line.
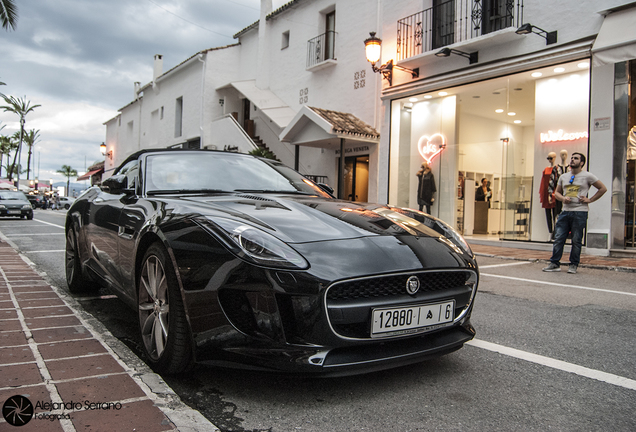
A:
(15, 203)
(36, 201)
(66, 202)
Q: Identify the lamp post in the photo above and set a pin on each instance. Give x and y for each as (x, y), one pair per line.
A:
(20, 149)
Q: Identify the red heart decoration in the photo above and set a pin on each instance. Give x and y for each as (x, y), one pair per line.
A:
(430, 147)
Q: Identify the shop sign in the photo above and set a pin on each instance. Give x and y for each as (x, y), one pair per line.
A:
(360, 149)
(432, 146)
(561, 136)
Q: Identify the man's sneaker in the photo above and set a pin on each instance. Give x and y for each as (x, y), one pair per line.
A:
(552, 268)
(572, 268)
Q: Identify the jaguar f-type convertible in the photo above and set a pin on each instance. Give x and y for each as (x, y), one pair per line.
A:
(232, 259)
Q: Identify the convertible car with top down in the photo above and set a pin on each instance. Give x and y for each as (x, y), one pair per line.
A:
(231, 259)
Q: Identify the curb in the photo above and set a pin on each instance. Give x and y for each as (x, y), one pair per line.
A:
(536, 260)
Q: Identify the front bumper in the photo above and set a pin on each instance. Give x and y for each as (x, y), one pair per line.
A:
(16, 212)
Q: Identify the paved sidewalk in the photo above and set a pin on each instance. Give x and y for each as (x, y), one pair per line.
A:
(589, 261)
(70, 368)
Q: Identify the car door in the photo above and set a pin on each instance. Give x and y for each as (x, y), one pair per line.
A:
(103, 232)
(132, 218)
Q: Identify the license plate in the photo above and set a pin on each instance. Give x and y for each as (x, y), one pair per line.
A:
(13, 212)
(410, 319)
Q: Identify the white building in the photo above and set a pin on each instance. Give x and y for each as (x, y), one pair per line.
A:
(493, 107)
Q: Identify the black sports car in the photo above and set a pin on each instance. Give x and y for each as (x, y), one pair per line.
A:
(237, 260)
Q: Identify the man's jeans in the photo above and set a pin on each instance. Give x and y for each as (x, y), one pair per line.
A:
(569, 221)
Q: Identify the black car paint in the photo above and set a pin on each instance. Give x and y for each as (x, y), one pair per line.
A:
(114, 230)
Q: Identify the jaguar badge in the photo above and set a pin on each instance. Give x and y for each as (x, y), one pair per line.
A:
(412, 285)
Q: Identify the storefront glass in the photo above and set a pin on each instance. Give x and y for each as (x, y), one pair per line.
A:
(487, 144)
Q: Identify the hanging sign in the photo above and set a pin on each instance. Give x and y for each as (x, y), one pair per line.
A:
(561, 136)
(430, 147)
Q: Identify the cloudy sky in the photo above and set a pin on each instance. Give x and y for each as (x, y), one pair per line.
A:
(78, 59)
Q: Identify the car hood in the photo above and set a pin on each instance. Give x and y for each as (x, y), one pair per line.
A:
(300, 219)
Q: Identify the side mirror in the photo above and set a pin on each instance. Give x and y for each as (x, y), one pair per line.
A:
(326, 188)
(116, 184)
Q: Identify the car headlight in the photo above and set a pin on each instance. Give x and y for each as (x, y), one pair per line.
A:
(27, 207)
(259, 246)
(2, 207)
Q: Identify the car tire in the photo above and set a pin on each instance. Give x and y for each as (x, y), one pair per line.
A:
(30, 216)
(162, 320)
(75, 278)
(67, 206)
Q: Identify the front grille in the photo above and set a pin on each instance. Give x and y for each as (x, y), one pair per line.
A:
(387, 286)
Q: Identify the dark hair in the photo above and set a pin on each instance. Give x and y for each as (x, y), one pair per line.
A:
(581, 155)
(482, 180)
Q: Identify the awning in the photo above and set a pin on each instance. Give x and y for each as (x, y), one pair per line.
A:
(616, 41)
(317, 127)
(270, 104)
(89, 174)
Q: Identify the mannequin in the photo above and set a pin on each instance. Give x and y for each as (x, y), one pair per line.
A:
(425, 187)
(557, 170)
(547, 202)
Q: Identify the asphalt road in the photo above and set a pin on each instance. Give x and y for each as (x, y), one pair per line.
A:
(553, 351)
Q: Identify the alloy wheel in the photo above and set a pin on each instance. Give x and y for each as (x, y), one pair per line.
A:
(153, 307)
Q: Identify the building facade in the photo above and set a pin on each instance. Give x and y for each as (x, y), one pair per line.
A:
(479, 89)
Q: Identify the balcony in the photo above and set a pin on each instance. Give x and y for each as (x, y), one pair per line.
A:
(453, 21)
(321, 51)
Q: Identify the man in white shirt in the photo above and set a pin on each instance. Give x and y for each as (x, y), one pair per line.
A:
(572, 189)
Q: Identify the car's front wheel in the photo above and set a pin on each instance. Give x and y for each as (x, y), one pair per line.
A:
(162, 320)
(75, 278)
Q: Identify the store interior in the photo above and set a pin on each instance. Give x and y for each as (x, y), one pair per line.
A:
(496, 134)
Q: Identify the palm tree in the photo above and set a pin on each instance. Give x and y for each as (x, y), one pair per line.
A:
(8, 14)
(68, 172)
(6, 146)
(21, 107)
(29, 139)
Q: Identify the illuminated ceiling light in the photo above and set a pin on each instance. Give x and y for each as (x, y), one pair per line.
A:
(512, 113)
(517, 121)
(428, 97)
(536, 74)
(559, 70)
(413, 99)
(584, 65)
(408, 105)
(499, 111)
(442, 93)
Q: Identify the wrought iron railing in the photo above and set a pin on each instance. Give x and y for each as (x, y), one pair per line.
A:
(453, 21)
(321, 48)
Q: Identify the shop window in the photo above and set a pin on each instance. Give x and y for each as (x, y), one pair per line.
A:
(500, 130)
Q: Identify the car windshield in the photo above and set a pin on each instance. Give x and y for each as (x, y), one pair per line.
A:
(6, 196)
(222, 172)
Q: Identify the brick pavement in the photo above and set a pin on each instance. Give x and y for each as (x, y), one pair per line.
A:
(50, 354)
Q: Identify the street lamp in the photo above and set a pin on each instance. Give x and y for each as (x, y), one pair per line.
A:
(102, 148)
(373, 50)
